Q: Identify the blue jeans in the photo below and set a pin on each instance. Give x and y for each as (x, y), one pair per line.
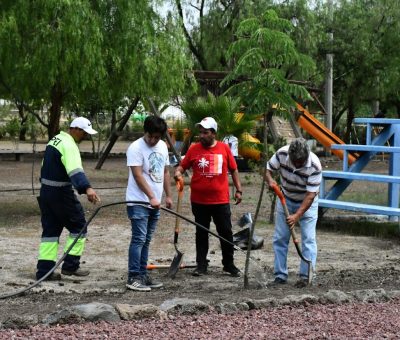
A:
(281, 238)
(144, 222)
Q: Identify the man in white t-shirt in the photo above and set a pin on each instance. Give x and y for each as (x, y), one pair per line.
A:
(148, 161)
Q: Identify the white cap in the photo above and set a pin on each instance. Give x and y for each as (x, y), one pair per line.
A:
(208, 123)
(84, 124)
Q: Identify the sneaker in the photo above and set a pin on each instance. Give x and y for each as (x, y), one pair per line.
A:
(149, 282)
(279, 281)
(233, 270)
(199, 271)
(301, 283)
(78, 272)
(136, 283)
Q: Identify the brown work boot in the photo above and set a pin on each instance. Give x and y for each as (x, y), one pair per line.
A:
(78, 272)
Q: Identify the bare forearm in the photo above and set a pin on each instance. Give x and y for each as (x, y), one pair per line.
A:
(167, 183)
(142, 184)
(268, 178)
(306, 204)
(178, 171)
(236, 180)
(137, 173)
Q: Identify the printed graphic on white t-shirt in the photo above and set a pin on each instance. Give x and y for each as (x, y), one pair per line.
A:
(210, 164)
(156, 167)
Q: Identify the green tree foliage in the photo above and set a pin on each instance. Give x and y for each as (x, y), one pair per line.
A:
(308, 31)
(365, 34)
(265, 56)
(210, 27)
(223, 109)
(51, 50)
(88, 56)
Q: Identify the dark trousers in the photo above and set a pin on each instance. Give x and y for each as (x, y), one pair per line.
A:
(59, 208)
(221, 216)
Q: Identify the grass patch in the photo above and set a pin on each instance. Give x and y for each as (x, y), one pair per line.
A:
(374, 198)
(387, 230)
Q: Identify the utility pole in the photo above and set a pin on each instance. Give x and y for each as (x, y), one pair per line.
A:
(329, 71)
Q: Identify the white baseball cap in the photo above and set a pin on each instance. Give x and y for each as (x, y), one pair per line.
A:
(208, 123)
(84, 124)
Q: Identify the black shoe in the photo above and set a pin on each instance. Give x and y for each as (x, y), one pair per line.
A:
(301, 283)
(279, 281)
(78, 272)
(233, 270)
(199, 271)
(52, 277)
(149, 282)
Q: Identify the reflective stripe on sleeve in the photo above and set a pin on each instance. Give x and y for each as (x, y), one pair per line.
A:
(75, 171)
(51, 183)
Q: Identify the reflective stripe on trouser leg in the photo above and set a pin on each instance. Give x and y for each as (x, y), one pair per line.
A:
(78, 247)
(48, 248)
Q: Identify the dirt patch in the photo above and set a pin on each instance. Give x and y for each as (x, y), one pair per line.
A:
(344, 262)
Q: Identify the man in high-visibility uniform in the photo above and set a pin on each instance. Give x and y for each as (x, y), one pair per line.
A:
(61, 172)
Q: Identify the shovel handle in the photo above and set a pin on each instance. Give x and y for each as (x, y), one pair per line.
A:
(179, 186)
(279, 193)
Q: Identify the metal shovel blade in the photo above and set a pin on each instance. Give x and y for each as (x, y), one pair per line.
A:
(175, 264)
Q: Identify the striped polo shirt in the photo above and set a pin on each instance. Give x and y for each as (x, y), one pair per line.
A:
(296, 182)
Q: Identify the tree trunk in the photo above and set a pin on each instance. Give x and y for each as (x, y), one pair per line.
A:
(24, 118)
(253, 225)
(113, 119)
(55, 110)
(336, 118)
(116, 133)
(196, 50)
(350, 117)
(398, 108)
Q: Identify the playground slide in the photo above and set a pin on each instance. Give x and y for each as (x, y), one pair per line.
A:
(321, 133)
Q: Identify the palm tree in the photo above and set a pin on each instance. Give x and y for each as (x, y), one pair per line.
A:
(225, 110)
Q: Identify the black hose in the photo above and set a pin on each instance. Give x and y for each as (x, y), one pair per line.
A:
(146, 205)
(34, 284)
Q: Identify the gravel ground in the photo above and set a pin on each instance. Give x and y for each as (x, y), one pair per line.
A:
(345, 263)
(350, 321)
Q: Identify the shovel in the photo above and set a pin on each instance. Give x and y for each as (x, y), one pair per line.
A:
(279, 193)
(176, 262)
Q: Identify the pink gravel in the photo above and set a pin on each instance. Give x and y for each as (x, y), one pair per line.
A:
(349, 321)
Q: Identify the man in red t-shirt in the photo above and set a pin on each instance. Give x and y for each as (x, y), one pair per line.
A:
(210, 161)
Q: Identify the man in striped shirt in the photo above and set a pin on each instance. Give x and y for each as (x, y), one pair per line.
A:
(300, 176)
